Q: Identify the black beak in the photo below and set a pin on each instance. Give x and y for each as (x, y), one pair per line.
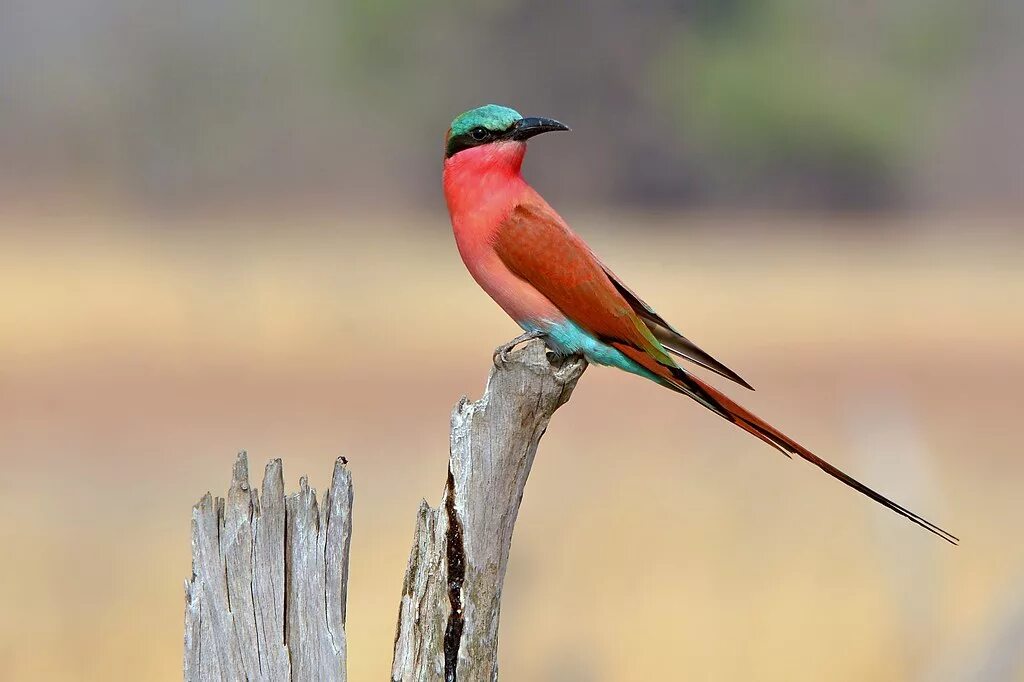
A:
(525, 128)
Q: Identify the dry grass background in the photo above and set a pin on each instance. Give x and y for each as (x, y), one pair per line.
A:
(655, 542)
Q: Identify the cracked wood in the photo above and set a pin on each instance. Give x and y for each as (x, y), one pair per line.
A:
(448, 618)
(266, 600)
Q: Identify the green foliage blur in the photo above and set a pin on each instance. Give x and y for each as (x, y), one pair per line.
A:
(685, 103)
(802, 88)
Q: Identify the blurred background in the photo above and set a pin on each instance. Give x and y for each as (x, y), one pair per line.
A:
(221, 227)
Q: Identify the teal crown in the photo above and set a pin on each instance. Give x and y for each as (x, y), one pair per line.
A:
(492, 117)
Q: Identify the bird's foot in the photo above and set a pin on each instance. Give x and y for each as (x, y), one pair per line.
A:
(500, 356)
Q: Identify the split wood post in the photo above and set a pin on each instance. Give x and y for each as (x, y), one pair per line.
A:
(266, 600)
(267, 596)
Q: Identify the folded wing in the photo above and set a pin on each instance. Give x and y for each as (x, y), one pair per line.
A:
(536, 245)
(670, 338)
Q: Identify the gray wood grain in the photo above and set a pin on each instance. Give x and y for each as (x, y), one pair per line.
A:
(269, 584)
(451, 601)
(266, 600)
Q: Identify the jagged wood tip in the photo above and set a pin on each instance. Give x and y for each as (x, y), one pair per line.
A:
(266, 600)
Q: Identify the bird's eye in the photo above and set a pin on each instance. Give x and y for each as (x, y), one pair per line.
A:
(479, 134)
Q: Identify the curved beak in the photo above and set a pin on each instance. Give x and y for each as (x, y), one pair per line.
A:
(525, 128)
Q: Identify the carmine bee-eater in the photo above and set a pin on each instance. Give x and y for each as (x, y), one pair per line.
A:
(549, 281)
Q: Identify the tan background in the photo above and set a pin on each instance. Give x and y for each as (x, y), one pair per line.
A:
(139, 361)
(221, 227)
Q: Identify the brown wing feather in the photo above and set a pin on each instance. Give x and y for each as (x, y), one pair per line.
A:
(536, 245)
(669, 337)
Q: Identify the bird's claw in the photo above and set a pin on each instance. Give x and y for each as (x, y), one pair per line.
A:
(500, 356)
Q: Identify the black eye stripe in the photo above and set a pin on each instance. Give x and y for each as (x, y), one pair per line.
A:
(470, 139)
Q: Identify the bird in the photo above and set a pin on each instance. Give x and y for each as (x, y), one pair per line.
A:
(547, 279)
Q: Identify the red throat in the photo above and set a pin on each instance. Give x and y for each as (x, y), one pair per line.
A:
(482, 175)
(482, 186)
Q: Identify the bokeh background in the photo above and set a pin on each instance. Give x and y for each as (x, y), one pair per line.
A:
(221, 227)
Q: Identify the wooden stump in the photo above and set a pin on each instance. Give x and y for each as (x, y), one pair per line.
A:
(266, 600)
(448, 620)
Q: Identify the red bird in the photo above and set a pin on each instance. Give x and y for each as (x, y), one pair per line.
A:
(549, 281)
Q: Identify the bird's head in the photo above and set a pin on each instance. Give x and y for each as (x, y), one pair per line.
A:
(492, 123)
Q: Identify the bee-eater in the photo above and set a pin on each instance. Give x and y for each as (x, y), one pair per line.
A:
(521, 252)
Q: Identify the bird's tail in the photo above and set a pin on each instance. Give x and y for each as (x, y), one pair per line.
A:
(681, 381)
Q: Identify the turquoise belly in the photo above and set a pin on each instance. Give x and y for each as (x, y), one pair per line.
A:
(567, 338)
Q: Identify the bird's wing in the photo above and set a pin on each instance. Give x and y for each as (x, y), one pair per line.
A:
(537, 245)
(669, 337)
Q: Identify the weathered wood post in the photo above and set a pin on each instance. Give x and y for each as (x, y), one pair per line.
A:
(266, 600)
(448, 620)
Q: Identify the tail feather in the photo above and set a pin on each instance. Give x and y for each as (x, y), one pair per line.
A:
(681, 381)
(769, 434)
